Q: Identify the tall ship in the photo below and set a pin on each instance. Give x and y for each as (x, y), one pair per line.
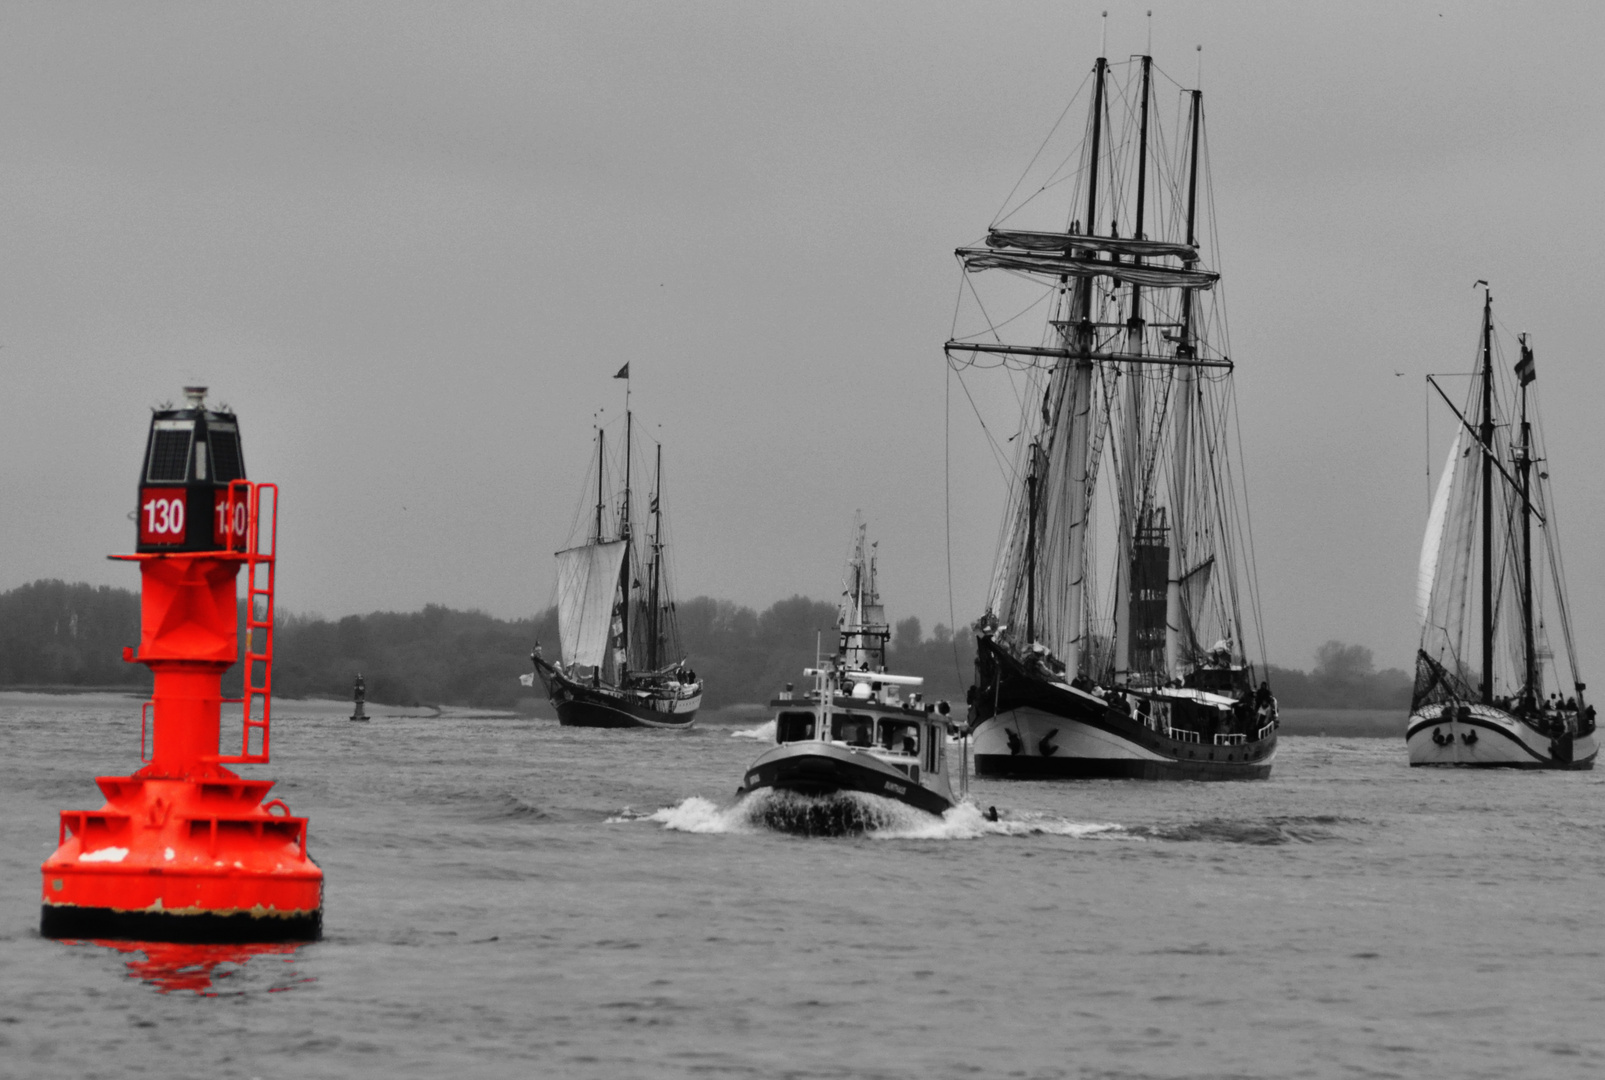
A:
(859, 730)
(621, 664)
(1490, 689)
(1122, 619)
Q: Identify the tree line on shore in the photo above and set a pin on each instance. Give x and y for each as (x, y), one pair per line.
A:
(59, 635)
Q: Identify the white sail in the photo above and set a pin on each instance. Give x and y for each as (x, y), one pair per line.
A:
(1433, 541)
(587, 586)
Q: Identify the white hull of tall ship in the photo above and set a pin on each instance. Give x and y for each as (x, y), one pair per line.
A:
(1030, 727)
(1028, 743)
(1490, 738)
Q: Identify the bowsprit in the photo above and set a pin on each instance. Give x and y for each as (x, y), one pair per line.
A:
(185, 849)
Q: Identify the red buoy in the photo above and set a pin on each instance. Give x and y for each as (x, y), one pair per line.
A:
(184, 849)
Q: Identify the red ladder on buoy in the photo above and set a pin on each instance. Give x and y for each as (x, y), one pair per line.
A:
(245, 537)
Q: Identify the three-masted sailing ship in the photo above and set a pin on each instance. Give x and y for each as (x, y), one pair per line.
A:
(1489, 688)
(1136, 663)
(621, 664)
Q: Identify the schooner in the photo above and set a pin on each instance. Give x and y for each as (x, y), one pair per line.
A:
(1490, 689)
(621, 664)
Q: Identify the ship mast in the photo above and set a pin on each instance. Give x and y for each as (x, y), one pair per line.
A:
(1524, 465)
(1486, 433)
(1080, 432)
(1031, 551)
(1185, 350)
(625, 535)
(600, 436)
(653, 659)
(1133, 495)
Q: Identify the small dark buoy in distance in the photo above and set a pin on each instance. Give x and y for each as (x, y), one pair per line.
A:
(359, 695)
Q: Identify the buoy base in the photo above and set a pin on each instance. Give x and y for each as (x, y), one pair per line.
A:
(196, 859)
(203, 928)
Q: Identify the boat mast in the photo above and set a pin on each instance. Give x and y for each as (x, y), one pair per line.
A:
(1487, 436)
(653, 659)
(625, 535)
(1080, 433)
(1131, 508)
(1524, 466)
(1185, 349)
(1031, 551)
(600, 436)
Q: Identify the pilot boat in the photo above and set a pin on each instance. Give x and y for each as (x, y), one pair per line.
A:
(858, 731)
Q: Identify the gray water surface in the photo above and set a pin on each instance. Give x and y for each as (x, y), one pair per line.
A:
(507, 898)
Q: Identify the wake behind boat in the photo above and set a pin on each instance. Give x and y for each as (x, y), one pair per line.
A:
(1481, 596)
(1138, 667)
(621, 664)
(854, 733)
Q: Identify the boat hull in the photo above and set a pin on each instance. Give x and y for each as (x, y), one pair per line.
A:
(1091, 750)
(1490, 738)
(819, 769)
(582, 705)
(1029, 728)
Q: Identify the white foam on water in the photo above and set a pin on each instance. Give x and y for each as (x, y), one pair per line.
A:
(764, 732)
(880, 818)
(967, 821)
(699, 815)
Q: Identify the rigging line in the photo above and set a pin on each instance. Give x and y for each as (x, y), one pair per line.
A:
(992, 327)
(1046, 139)
(1248, 524)
(1552, 545)
(1426, 407)
(947, 510)
(997, 450)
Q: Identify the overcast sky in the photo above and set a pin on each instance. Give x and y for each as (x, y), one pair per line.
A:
(410, 245)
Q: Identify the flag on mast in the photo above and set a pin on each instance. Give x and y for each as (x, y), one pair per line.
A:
(1524, 367)
(623, 373)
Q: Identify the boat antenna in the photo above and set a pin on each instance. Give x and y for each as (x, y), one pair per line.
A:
(1200, 50)
(1103, 41)
(1150, 50)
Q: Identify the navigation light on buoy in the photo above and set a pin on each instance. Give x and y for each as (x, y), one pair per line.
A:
(185, 849)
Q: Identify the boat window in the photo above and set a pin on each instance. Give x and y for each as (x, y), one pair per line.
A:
(900, 737)
(794, 727)
(852, 729)
(933, 747)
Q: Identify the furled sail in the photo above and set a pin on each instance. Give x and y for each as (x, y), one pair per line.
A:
(1432, 542)
(587, 584)
(1052, 241)
(1060, 264)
